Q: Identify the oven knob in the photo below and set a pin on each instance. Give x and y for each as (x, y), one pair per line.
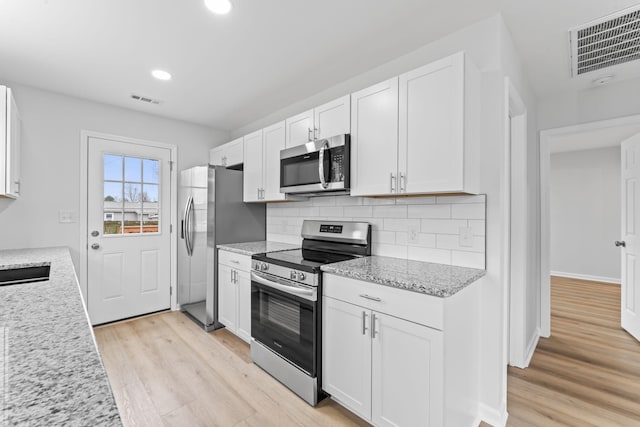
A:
(264, 266)
(301, 276)
(293, 275)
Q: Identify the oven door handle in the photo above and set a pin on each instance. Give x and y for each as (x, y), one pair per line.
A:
(321, 163)
(282, 287)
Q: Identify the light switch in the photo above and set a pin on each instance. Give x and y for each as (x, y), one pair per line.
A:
(466, 237)
(67, 217)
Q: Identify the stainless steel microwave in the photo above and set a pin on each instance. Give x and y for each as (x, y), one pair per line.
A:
(316, 167)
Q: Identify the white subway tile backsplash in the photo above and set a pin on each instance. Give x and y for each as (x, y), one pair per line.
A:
(468, 259)
(392, 224)
(429, 211)
(437, 220)
(429, 255)
(333, 211)
(390, 211)
(358, 211)
(468, 211)
(442, 226)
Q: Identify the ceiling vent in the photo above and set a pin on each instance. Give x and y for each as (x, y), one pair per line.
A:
(608, 41)
(145, 99)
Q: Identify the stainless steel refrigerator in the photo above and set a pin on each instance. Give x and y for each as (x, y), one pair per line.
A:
(213, 213)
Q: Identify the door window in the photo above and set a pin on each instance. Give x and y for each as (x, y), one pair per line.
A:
(131, 195)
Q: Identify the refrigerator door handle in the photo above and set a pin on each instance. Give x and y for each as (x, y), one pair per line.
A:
(187, 225)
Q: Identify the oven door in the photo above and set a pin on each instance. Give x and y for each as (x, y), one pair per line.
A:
(321, 165)
(284, 321)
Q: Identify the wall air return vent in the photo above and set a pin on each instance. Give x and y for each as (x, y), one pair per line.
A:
(145, 99)
(608, 41)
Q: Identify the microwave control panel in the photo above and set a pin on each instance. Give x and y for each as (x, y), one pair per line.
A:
(337, 162)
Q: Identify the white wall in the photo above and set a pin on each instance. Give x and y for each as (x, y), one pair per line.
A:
(585, 213)
(51, 125)
(437, 221)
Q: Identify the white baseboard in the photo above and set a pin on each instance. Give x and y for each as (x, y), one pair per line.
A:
(531, 348)
(492, 416)
(613, 280)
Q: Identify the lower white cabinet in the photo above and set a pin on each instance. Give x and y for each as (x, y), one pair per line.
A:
(420, 370)
(234, 293)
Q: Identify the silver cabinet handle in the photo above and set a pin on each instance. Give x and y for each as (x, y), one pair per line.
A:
(402, 183)
(316, 133)
(364, 323)
(621, 243)
(309, 135)
(370, 297)
(95, 246)
(392, 182)
(231, 272)
(373, 326)
(258, 189)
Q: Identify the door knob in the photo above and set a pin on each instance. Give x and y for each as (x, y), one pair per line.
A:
(95, 233)
(619, 243)
(95, 246)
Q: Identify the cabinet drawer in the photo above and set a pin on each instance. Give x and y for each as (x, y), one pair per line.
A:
(419, 308)
(234, 260)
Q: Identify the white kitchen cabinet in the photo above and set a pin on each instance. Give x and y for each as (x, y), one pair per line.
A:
(262, 164)
(234, 293)
(10, 144)
(374, 139)
(436, 139)
(401, 358)
(229, 154)
(330, 119)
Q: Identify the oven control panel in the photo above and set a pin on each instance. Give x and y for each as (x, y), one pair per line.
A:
(302, 277)
(328, 228)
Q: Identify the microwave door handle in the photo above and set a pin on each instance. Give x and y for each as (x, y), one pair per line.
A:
(276, 285)
(321, 165)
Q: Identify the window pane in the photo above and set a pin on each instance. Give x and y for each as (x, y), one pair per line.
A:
(131, 226)
(132, 169)
(112, 222)
(113, 194)
(150, 170)
(150, 218)
(150, 193)
(112, 167)
(133, 193)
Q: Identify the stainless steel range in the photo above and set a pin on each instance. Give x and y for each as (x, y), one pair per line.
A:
(286, 293)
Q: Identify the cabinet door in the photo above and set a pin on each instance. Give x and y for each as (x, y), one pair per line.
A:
(253, 163)
(374, 139)
(244, 305)
(216, 156)
(234, 152)
(333, 118)
(299, 129)
(431, 133)
(273, 142)
(346, 355)
(407, 378)
(227, 298)
(13, 147)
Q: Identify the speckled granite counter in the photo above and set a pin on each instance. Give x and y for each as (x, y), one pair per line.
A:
(252, 248)
(50, 370)
(439, 280)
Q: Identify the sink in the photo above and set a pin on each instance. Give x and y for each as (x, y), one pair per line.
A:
(15, 276)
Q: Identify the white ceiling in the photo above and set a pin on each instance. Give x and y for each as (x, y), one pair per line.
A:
(266, 54)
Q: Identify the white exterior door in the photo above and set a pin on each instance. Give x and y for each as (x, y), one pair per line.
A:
(128, 218)
(630, 223)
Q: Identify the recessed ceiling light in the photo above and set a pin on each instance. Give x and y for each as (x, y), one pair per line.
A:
(221, 7)
(161, 75)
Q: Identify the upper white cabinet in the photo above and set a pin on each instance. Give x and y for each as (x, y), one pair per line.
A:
(437, 139)
(262, 164)
(229, 154)
(374, 139)
(330, 119)
(10, 140)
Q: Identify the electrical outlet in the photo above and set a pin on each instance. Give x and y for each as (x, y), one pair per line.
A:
(413, 231)
(66, 217)
(466, 237)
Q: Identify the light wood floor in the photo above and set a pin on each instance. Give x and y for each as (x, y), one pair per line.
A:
(165, 371)
(588, 372)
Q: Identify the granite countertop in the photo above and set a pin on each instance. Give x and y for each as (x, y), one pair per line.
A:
(50, 370)
(261, 247)
(438, 280)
